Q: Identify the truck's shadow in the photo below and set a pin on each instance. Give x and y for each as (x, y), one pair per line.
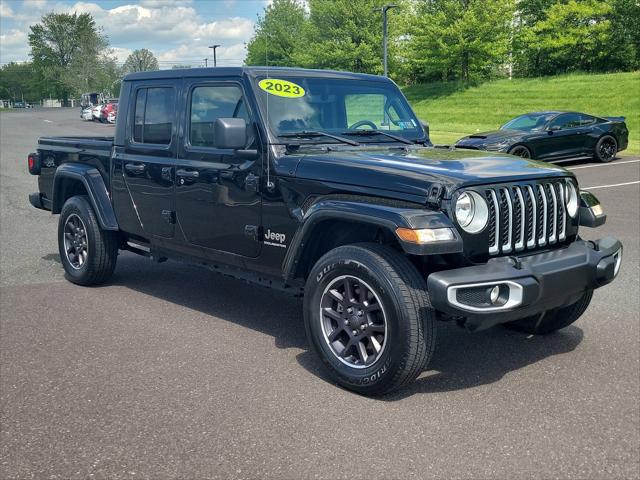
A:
(465, 360)
(461, 360)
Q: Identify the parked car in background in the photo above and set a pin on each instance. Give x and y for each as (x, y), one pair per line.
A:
(20, 105)
(86, 113)
(554, 135)
(111, 118)
(96, 111)
(109, 107)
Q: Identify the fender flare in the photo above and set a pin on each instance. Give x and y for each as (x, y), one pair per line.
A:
(383, 215)
(96, 189)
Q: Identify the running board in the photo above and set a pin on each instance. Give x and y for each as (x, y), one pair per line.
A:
(143, 251)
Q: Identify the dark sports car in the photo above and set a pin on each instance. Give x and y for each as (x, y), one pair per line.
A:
(555, 136)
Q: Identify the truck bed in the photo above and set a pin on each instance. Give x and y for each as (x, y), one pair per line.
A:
(54, 151)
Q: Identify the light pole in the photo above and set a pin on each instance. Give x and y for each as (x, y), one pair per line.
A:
(213, 47)
(385, 9)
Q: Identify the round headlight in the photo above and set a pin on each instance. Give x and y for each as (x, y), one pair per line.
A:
(472, 212)
(464, 209)
(571, 198)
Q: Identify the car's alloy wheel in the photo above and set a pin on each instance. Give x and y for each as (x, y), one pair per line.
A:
(521, 151)
(76, 243)
(607, 149)
(353, 321)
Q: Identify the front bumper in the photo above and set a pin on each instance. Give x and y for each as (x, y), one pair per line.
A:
(510, 288)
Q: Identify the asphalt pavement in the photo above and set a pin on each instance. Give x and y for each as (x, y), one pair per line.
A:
(173, 371)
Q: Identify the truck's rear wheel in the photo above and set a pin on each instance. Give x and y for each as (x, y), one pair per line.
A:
(553, 320)
(368, 316)
(88, 253)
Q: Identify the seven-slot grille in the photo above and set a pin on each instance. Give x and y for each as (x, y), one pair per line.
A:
(526, 216)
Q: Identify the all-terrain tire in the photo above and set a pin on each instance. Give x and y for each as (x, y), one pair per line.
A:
(553, 320)
(102, 245)
(409, 316)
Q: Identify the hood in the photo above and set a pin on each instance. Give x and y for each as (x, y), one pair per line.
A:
(494, 136)
(413, 171)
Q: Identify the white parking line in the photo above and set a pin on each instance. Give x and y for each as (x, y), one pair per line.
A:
(605, 164)
(48, 121)
(613, 185)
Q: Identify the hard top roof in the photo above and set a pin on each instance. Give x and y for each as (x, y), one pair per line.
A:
(250, 71)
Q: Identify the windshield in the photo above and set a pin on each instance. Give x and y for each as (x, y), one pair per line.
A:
(336, 106)
(529, 121)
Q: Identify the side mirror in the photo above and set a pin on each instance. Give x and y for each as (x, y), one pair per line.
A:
(230, 133)
(425, 126)
(555, 128)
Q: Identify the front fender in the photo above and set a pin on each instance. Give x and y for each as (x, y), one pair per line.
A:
(96, 190)
(384, 215)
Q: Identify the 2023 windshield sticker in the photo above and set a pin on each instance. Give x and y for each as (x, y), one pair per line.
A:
(281, 88)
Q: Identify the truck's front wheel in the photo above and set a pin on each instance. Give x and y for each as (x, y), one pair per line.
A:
(368, 317)
(88, 253)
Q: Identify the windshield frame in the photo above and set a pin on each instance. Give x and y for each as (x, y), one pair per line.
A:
(285, 138)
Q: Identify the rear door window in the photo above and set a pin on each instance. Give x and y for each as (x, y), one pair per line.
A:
(153, 116)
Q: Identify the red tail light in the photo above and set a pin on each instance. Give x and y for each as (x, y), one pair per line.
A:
(34, 164)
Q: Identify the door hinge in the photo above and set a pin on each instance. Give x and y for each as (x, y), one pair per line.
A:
(169, 216)
(252, 231)
(435, 196)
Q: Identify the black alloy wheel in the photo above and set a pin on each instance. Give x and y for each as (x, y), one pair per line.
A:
(606, 149)
(353, 321)
(520, 151)
(87, 252)
(76, 244)
(368, 316)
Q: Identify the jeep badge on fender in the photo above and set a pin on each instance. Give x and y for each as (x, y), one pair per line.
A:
(326, 184)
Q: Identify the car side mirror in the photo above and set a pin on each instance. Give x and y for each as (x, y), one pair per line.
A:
(230, 133)
(554, 128)
(425, 126)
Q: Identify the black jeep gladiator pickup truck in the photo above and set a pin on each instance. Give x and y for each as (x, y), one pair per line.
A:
(325, 183)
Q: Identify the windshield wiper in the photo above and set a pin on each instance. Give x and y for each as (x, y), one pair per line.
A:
(309, 134)
(369, 133)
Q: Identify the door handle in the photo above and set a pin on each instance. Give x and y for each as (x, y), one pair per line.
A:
(187, 173)
(136, 168)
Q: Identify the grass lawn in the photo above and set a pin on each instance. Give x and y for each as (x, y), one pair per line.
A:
(454, 111)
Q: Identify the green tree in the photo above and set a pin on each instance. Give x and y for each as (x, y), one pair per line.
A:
(625, 20)
(344, 35)
(277, 34)
(575, 35)
(459, 39)
(140, 61)
(64, 46)
(17, 82)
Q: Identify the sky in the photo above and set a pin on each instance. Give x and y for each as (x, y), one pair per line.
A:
(178, 32)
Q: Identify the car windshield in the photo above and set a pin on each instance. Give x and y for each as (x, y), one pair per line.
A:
(529, 121)
(336, 106)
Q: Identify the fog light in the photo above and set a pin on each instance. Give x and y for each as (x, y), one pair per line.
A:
(495, 294)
